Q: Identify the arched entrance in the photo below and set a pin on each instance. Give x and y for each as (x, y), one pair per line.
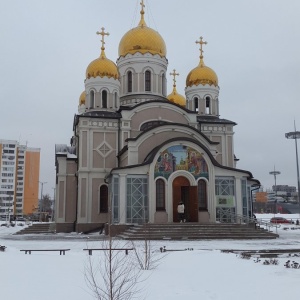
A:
(182, 191)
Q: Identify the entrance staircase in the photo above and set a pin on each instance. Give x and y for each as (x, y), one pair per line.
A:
(38, 228)
(195, 231)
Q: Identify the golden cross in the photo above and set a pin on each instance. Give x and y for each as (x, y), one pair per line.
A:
(142, 5)
(174, 74)
(201, 44)
(102, 39)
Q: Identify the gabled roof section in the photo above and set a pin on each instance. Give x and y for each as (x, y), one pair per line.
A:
(97, 114)
(101, 114)
(64, 150)
(213, 120)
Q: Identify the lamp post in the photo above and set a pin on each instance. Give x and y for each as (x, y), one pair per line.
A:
(275, 173)
(294, 135)
(53, 211)
(41, 201)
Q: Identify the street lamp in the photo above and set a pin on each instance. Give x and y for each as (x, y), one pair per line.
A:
(275, 173)
(295, 135)
(41, 201)
(53, 211)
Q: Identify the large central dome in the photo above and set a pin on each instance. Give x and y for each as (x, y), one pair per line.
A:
(142, 39)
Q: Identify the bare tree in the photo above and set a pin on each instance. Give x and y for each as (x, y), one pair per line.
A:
(147, 257)
(46, 204)
(113, 275)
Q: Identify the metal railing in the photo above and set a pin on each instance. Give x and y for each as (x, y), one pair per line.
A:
(228, 217)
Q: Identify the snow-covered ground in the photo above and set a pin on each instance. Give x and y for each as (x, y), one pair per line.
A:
(203, 273)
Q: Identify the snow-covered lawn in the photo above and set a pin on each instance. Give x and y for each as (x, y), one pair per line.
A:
(203, 273)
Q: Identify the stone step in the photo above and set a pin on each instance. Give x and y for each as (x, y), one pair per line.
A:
(195, 231)
(199, 237)
(149, 229)
(38, 228)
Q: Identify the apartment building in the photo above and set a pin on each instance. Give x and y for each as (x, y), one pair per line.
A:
(19, 179)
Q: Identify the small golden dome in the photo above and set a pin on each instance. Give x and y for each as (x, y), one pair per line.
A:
(102, 66)
(82, 98)
(142, 39)
(202, 74)
(176, 98)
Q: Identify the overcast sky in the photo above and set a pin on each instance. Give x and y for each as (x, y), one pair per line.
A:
(253, 46)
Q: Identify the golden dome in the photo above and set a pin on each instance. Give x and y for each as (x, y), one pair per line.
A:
(142, 39)
(202, 74)
(82, 98)
(102, 66)
(176, 98)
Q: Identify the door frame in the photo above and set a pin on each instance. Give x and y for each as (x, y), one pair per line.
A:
(182, 190)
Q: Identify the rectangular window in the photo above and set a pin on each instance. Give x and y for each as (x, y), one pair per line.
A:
(246, 211)
(225, 186)
(115, 199)
(137, 200)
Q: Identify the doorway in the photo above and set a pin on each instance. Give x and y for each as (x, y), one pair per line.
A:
(182, 191)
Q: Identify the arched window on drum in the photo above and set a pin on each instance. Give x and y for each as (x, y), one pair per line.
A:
(129, 81)
(196, 104)
(148, 81)
(92, 99)
(104, 99)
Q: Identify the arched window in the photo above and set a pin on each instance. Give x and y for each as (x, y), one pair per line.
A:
(92, 99)
(148, 81)
(160, 195)
(196, 104)
(163, 81)
(116, 99)
(129, 82)
(104, 99)
(207, 105)
(202, 195)
(103, 199)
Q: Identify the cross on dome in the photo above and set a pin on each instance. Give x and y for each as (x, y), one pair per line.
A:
(174, 74)
(142, 6)
(201, 44)
(142, 21)
(102, 33)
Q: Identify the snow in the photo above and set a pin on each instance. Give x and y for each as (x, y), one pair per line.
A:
(202, 273)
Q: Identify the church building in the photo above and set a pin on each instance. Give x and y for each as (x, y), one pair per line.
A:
(137, 151)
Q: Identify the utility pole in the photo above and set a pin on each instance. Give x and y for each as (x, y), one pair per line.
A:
(295, 135)
(275, 173)
(41, 200)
